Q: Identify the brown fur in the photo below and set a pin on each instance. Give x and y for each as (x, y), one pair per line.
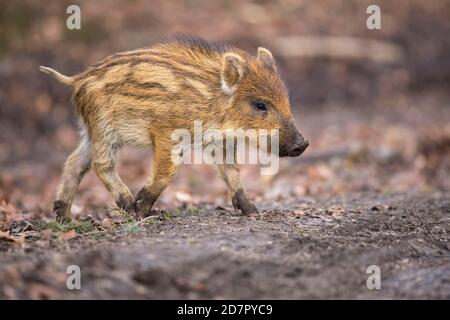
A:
(139, 97)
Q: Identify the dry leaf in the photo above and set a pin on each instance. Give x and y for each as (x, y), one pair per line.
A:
(19, 240)
(41, 291)
(68, 234)
(15, 240)
(5, 236)
(47, 233)
(106, 223)
(298, 212)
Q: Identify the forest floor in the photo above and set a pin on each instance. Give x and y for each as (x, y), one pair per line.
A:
(313, 248)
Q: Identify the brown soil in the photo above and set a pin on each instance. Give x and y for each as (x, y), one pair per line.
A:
(305, 248)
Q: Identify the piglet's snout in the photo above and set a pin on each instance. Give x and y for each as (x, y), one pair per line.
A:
(298, 147)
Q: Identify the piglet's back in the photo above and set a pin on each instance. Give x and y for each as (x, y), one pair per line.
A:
(165, 73)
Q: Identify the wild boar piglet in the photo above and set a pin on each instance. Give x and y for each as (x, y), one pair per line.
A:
(140, 97)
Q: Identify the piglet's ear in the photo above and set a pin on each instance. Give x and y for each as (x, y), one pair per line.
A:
(232, 72)
(265, 57)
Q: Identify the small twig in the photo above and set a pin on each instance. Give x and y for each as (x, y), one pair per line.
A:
(28, 224)
(142, 221)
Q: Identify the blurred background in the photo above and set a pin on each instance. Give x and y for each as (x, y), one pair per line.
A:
(374, 103)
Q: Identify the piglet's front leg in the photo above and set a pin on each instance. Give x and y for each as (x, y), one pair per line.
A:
(163, 171)
(231, 175)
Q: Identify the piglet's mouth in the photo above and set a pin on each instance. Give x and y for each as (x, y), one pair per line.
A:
(295, 150)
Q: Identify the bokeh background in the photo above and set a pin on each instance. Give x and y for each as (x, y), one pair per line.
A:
(374, 103)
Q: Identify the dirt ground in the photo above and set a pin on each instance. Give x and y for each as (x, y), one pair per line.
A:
(311, 248)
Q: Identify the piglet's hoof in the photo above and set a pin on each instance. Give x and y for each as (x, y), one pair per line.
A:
(62, 211)
(241, 202)
(143, 204)
(126, 202)
(143, 210)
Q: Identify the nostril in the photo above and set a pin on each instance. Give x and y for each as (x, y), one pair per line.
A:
(296, 149)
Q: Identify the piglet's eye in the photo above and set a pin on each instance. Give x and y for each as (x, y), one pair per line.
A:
(260, 106)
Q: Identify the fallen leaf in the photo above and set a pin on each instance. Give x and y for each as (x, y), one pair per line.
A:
(47, 233)
(68, 234)
(15, 240)
(106, 223)
(298, 212)
(5, 236)
(19, 240)
(40, 291)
